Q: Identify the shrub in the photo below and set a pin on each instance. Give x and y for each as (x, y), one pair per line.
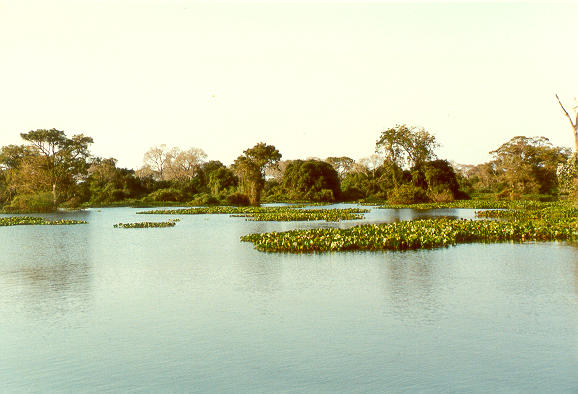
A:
(407, 194)
(168, 194)
(238, 199)
(204, 199)
(323, 195)
(37, 202)
(440, 194)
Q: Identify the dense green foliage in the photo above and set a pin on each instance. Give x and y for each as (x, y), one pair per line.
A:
(311, 180)
(251, 166)
(547, 224)
(30, 220)
(521, 166)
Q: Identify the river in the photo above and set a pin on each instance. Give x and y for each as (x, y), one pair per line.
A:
(92, 308)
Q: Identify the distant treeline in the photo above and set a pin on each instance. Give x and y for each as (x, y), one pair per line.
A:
(53, 170)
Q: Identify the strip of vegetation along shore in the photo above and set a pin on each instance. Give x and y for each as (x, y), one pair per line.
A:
(31, 220)
(170, 223)
(271, 213)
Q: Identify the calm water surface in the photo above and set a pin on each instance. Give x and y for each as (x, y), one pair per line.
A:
(91, 308)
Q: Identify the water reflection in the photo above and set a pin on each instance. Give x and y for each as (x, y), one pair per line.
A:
(192, 308)
(47, 270)
(410, 280)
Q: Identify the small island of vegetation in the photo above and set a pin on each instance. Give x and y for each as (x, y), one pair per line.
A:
(170, 223)
(280, 213)
(32, 220)
(552, 222)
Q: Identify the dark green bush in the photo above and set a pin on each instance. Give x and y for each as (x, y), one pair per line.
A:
(168, 194)
(407, 194)
(204, 199)
(238, 199)
(37, 202)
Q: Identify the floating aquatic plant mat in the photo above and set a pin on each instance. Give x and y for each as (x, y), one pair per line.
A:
(292, 213)
(558, 224)
(30, 220)
(475, 204)
(170, 223)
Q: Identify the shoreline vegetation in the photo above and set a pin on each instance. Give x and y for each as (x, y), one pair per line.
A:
(522, 189)
(51, 171)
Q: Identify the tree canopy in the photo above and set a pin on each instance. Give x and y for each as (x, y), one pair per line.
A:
(251, 166)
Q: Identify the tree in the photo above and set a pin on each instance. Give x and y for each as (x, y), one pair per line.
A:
(155, 161)
(64, 160)
(251, 166)
(371, 164)
(405, 147)
(441, 179)
(528, 165)
(221, 179)
(173, 164)
(107, 183)
(312, 180)
(573, 122)
(184, 165)
(342, 164)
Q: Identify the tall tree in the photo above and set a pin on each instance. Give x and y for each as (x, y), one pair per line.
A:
(405, 146)
(313, 180)
(184, 164)
(155, 160)
(341, 164)
(528, 165)
(251, 167)
(573, 122)
(63, 159)
(165, 164)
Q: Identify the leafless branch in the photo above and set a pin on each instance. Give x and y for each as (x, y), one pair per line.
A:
(573, 123)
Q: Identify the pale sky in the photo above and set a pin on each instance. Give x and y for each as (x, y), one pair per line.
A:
(312, 78)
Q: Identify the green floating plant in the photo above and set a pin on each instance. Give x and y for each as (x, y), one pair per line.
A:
(555, 223)
(146, 224)
(292, 213)
(31, 220)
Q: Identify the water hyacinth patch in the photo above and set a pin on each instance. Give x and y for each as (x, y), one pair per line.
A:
(329, 215)
(146, 224)
(557, 211)
(416, 234)
(31, 220)
(474, 204)
(219, 210)
(292, 213)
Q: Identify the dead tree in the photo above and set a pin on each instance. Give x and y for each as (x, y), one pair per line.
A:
(574, 122)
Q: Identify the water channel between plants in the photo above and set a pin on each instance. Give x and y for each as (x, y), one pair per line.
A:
(191, 308)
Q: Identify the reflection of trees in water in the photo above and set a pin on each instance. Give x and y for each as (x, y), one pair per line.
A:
(576, 271)
(52, 277)
(411, 285)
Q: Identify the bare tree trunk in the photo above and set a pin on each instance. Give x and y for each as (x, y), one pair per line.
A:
(574, 123)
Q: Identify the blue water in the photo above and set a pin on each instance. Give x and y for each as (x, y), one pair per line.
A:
(91, 308)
